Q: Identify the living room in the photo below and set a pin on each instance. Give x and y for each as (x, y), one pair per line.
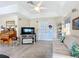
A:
(39, 29)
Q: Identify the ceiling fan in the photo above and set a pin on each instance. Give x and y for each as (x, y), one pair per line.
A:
(37, 7)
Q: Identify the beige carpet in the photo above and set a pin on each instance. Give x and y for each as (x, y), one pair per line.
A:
(41, 49)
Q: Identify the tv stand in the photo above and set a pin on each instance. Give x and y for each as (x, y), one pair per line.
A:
(28, 38)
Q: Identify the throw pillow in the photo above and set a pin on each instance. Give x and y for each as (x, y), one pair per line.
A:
(75, 50)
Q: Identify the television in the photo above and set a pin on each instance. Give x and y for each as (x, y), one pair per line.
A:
(27, 30)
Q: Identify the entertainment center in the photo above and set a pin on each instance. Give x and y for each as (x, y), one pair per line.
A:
(28, 35)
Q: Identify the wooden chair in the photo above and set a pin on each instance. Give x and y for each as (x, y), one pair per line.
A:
(6, 40)
(7, 36)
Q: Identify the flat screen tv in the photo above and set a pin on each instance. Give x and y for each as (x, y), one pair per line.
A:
(27, 30)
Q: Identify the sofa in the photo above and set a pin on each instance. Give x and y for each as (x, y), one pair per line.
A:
(64, 49)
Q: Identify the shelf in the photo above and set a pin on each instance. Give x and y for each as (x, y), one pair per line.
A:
(59, 30)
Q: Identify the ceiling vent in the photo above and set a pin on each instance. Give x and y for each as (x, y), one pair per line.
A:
(74, 10)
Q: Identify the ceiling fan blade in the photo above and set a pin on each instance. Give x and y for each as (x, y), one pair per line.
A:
(31, 4)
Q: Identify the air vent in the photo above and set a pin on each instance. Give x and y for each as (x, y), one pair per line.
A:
(74, 10)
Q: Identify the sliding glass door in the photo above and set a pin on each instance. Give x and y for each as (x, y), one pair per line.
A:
(44, 32)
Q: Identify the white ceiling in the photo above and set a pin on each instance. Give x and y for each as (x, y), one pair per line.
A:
(53, 8)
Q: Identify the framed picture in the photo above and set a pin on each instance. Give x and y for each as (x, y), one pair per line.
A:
(10, 24)
(75, 24)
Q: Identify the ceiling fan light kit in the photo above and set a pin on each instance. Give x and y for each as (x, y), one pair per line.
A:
(37, 9)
